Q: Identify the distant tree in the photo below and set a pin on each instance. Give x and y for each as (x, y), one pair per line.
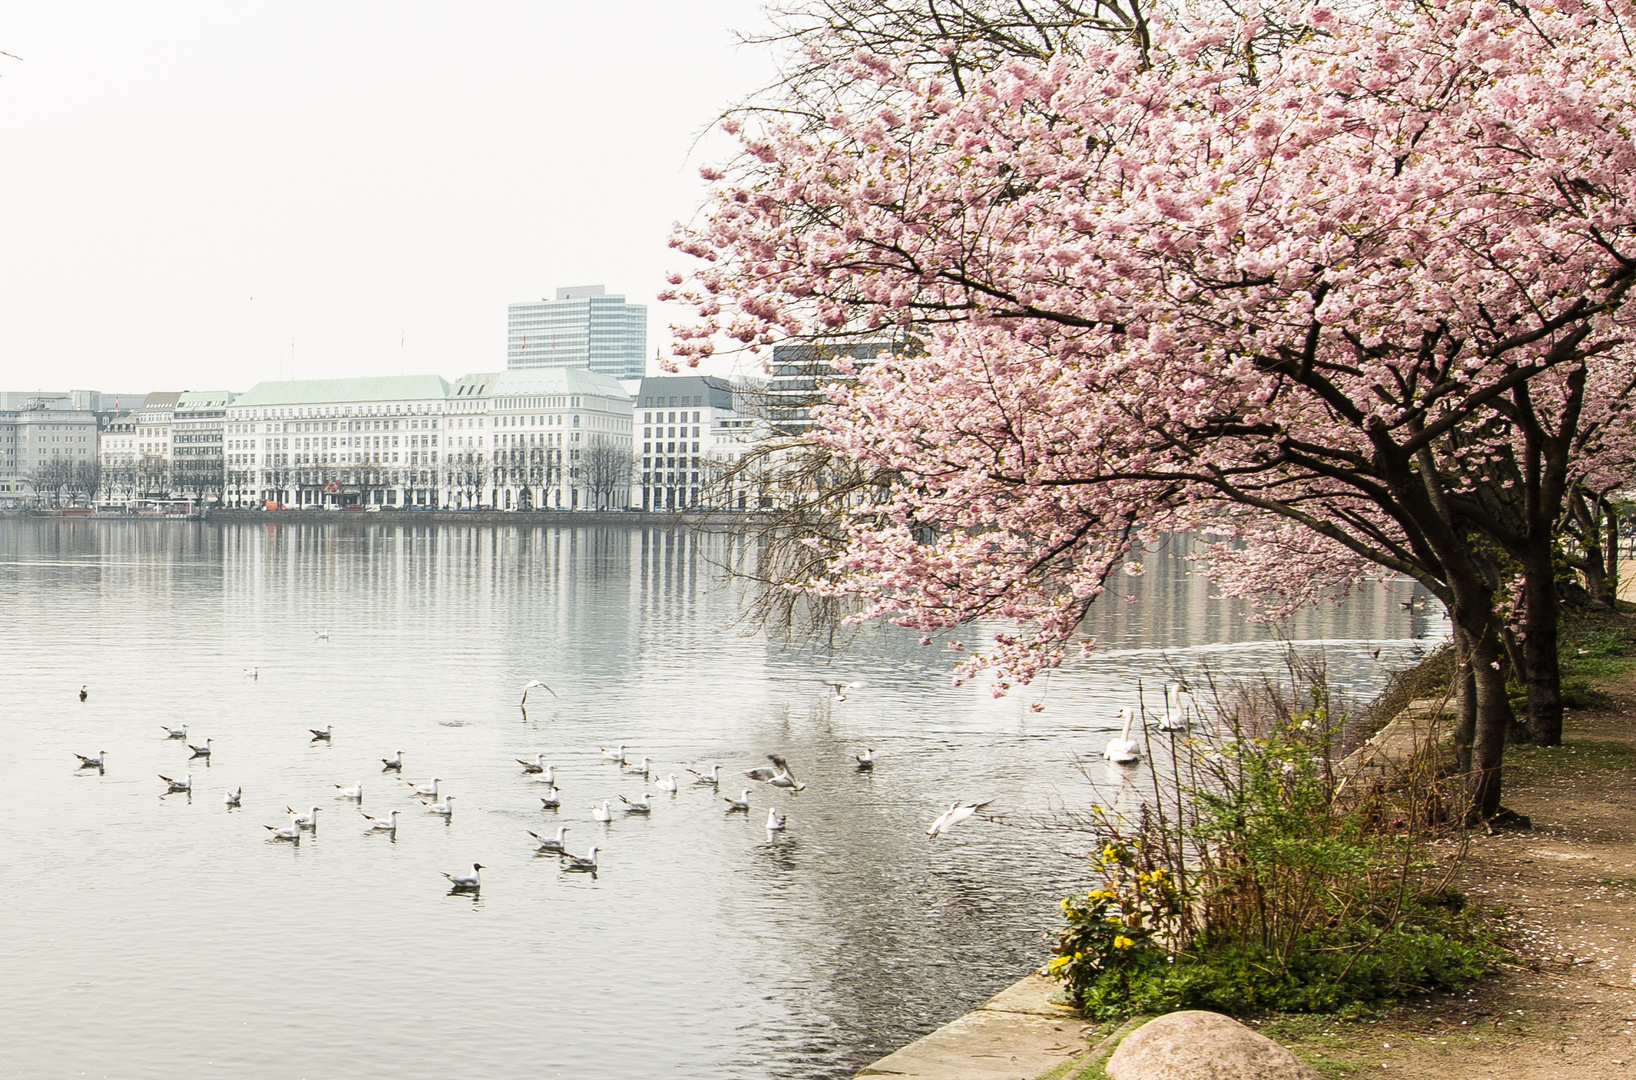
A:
(607, 468)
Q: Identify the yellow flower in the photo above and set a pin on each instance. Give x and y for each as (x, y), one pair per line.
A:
(1112, 920)
(1110, 853)
(1122, 942)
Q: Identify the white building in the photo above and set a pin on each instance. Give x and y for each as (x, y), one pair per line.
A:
(117, 456)
(196, 434)
(550, 438)
(693, 431)
(583, 327)
(48, 453)
(339, 442)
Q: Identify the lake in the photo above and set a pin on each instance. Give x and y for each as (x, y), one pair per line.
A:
(152, 936)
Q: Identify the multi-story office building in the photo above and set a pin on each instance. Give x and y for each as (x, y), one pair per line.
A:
(693, 433)
(338, 442)
(552, 438)
(117, 455)
(153, 420)
(584, 327)
(196, 460)
(48, 452)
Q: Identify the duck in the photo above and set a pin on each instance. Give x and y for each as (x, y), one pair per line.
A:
(177, 786)
(1124, 750)
(92, 762)
(740, 805)
(554, 844)
(234, 799)
(466, 882)
(643, 807)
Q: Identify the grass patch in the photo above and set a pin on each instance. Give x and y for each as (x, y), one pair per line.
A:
(1535, 763)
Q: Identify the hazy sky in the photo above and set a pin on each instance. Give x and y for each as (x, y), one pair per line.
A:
(187, 187)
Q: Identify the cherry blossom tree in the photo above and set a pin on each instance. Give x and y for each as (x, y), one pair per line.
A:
(1358, 302)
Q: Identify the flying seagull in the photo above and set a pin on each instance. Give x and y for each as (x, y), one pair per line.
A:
(779, 777)
(954, 815)
(535, 684)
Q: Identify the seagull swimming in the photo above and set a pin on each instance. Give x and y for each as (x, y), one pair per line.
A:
(322, 736)
(177, 786)
(321, 635)
(551, 801)
(775, 820)
(555, 844)
(308, 821)
(585, 864)
(954, 815)
(234, 798)
(601, 813)
(548, 775)
(866, 760)
(175, 732)
(535, 684)
(442, 809)
(84, 692)
(713, 777)
(1123, 750)
(201, 751)
(424, 789)
(251, 673)
(668, 784)
(642, 768)
(738, 805)
(535, 766)
(393, 763)
(291, 832)
(779, 777)
(92, 762)
(614, 755)
(356, 794)
(466, 882)
(389, 823)
(643, 807)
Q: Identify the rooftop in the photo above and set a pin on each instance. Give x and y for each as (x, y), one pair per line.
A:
(344, 391)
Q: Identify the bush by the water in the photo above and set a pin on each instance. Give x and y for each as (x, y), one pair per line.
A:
(1248, 884)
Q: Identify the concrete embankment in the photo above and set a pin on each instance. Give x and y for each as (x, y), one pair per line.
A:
(720, 520)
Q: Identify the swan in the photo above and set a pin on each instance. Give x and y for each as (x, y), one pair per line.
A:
(1178, 708)
(1123, 750)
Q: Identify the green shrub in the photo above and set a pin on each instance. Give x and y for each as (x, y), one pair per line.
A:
(1261, 889)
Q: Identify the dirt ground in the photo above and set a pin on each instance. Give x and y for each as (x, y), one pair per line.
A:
(1567, 1011)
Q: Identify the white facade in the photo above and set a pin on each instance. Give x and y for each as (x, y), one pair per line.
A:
(692, 431)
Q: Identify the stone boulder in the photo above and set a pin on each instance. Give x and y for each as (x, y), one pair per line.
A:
(1196, 1045)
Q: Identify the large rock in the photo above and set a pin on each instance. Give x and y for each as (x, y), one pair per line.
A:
(1198, 1045)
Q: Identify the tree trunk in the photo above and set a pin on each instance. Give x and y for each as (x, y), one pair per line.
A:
(1610, 579)
(1476, 619)
(1542, 671)
(1465, 698)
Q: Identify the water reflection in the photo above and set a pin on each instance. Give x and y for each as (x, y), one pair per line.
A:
(820, 948)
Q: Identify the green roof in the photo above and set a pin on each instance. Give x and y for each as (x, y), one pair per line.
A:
(561, 380)
(345, 391)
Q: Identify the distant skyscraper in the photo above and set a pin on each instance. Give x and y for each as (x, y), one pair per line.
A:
(583, 327)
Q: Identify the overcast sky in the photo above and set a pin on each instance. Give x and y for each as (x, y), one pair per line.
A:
(185, 188)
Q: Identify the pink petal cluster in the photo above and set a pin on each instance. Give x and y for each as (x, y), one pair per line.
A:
(1160, 291)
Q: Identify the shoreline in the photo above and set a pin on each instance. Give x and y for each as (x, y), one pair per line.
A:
(712, 520)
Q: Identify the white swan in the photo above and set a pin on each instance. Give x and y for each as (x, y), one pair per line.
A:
(1178, 709)
(1123, 750)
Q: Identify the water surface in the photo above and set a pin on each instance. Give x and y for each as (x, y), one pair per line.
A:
(150, 936)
